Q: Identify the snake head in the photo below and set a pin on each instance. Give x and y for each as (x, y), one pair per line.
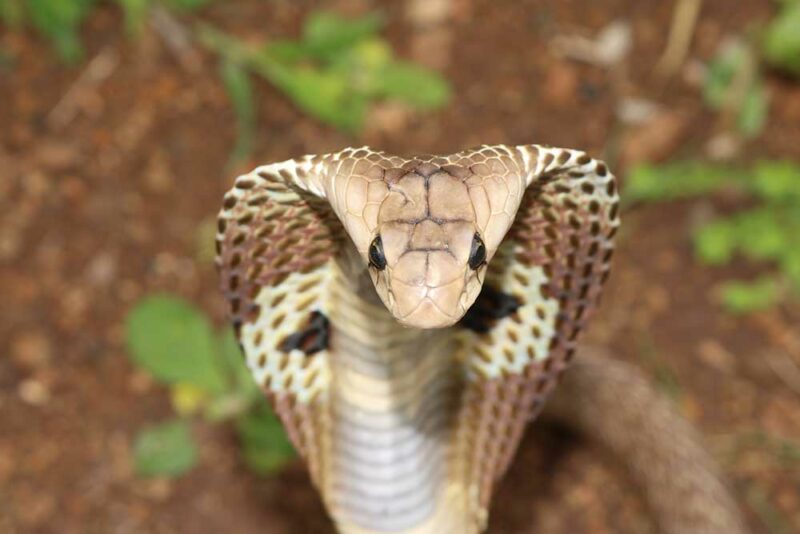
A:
(423, 243)
(427, 275)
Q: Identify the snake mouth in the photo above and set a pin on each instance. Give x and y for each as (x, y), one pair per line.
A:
(427, 316)
(423, 306)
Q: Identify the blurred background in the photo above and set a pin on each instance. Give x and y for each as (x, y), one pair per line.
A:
(123, 403)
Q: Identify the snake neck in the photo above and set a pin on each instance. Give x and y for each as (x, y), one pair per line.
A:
(392, 404)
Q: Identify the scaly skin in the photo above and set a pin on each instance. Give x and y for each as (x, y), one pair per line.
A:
(612, 403)
(347, 274)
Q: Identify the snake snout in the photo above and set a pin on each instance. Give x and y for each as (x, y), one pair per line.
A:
(427, 288)
(427, 315)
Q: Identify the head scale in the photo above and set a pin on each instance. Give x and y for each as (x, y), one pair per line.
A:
(425, 251)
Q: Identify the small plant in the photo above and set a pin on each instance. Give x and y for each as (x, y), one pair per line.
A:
(60, 20)
(57, 20)
(734, 85)
(333, 72)
(781, 42)
(768, 232)
(204, 369)
(137, 11)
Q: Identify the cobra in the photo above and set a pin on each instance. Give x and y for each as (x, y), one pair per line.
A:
(407, 317)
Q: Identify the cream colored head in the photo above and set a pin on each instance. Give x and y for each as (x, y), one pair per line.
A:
(426, 254)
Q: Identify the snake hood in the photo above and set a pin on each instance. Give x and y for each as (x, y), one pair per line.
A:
(425, 238)
(407, 430)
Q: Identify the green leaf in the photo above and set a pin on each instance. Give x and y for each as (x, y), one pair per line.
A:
(167, 449)
(326, 34)
(12, 13)
(415, 85)
(235, 362)
(721, 71)
(761, 233)
(325, 95)
(60, 20)
(678, 180)
(735, 65)
(320, 93)
(222, 44)
(136, 12)
(361, 66)
(371, 54)
(287, 51)
(753, 111)
(781, 44)
(777, 181)
(265, 446)
(746, 297)
(768, 232)
(237, 85)
(245, 393)
(790, 267)
(336, 71)
(185, 5)
(715, 242)
(172, 340)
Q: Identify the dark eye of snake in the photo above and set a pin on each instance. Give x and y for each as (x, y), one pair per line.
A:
(477, 255)
(376, 257)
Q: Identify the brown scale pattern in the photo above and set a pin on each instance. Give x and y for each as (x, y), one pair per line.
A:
(304, 423)
(262, 240)
(567, 230)
(266, 231)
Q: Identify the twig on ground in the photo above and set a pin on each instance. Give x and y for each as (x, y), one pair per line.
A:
(783, 362)
(785, 369)
(739, 88)
(177, 38)
(684, 21)
(98, 70)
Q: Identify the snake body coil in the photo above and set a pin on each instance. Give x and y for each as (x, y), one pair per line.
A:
(408, 317)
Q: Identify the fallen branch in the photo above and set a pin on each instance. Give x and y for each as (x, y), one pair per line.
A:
(681, 31)
(98, 70)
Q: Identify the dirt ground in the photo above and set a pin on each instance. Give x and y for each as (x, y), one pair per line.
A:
(103, 188)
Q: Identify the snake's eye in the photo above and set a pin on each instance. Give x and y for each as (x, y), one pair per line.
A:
(477, 255)
(376, 257)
